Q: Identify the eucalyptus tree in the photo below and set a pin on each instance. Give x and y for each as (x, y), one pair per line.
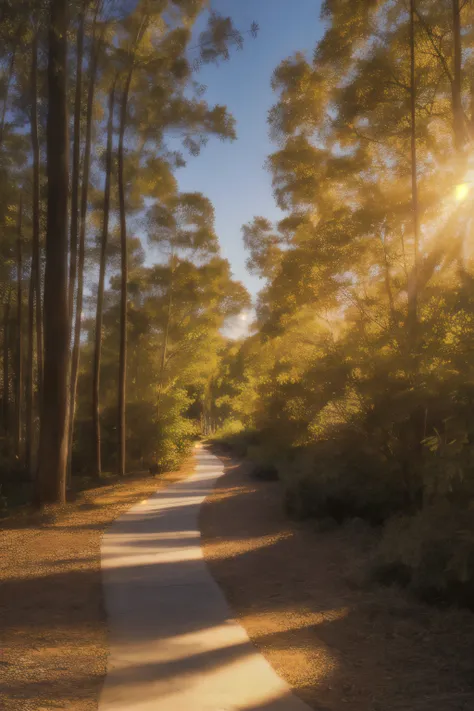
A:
(54, 417)
(359, 355)
(138, 60)
(152, 53)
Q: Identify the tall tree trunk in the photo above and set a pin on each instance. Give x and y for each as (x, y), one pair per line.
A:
(82, 243)
(100, 292)
(6, 365)
(29, 372)
(19, 336)
(124, 281)
(413, 285)
(36, 215)
(35, 281)
(456, 84)
(53, 437)
(122, 389)
(388, 284)
(76, 163)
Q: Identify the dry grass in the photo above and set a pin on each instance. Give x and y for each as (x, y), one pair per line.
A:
(53, 645)
(340, 644)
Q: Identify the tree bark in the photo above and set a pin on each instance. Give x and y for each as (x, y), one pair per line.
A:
(35, 281)
(413, 284)
(53, 437)
(76, 163)
(6, 365)
(36, 216)
(29, 372)
(82, 243)
(124, 282)
(100, 292)
(19, 336)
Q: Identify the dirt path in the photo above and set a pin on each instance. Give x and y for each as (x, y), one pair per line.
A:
(338, 644)
(53, 645)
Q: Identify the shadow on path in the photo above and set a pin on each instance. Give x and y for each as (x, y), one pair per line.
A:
(174, 643)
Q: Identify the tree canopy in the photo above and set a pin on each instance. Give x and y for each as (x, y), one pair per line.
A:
(356, 383)
(113, 289)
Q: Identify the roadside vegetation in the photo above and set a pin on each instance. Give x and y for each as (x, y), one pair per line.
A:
(299, 589)
(356, 386)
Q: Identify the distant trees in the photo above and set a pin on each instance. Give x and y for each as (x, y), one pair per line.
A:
(125, 85)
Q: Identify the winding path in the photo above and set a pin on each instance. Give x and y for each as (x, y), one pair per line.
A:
(174, 645)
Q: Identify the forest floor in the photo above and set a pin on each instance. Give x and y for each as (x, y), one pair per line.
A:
(339, 642)
(53, 634)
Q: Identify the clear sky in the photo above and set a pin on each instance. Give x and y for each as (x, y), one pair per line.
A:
(232, 175)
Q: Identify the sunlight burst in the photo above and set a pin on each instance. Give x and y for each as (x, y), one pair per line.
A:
(462, 191)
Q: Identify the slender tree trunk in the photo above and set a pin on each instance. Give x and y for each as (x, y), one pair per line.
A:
(36, 215)
(29, 372)
(413, 285)
(456, 84)
(53, 437)
(122, 389)
(82, 244)
(388, 285)
(168, 318)
(76, 163)
(124, 281)
(100, 292)
(6, 365)
(19, 336)
(35, 282)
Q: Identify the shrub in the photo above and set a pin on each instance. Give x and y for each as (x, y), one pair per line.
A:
(432, 553)
(345, 480)
(235, 439)
(158, 433)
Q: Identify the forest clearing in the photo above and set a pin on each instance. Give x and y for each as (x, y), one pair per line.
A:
(236, 344)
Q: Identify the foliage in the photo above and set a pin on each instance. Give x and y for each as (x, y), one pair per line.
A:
(131, 84)
(432, 553)
(358, 378)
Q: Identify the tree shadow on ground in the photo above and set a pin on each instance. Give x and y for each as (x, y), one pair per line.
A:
(305, 589)
(340, 647)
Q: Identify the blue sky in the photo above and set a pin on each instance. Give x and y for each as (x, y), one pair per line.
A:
(232, 175)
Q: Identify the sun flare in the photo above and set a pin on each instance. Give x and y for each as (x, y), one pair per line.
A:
(462, 191)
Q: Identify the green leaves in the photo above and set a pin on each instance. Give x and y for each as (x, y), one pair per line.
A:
(184, 223)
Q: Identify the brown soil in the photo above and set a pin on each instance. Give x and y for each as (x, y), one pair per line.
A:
(53, 635)
(340, 643)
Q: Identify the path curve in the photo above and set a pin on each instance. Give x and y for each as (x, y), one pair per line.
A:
(174, 645)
